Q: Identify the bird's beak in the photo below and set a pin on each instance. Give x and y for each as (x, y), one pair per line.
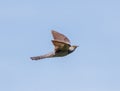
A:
(77, 46)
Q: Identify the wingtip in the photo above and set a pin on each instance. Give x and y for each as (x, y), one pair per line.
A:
(31, 58)
(53, 31)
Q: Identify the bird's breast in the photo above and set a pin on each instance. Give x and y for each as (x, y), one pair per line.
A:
(60, 54)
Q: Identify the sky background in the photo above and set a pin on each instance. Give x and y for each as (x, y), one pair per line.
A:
(25, 31)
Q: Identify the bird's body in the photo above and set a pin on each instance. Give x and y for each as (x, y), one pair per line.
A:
(62, 47)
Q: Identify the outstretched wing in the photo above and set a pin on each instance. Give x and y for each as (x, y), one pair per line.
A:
(60, 37)
(49, 55)
(60, 46)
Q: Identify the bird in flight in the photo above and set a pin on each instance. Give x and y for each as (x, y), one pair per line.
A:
(62, 47)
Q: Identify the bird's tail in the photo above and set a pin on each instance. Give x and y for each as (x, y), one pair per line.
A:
(43, 56)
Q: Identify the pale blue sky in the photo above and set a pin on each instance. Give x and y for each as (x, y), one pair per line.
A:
(25, 31)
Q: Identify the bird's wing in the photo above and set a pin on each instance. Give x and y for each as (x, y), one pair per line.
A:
(49, 55)
(60, 46)
(60, 37)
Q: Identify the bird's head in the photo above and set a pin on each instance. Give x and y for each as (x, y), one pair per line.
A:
(72, 48)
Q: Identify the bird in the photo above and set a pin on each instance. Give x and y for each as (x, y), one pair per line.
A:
(62, 47)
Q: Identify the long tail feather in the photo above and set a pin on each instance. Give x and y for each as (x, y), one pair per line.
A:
(43, 56)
